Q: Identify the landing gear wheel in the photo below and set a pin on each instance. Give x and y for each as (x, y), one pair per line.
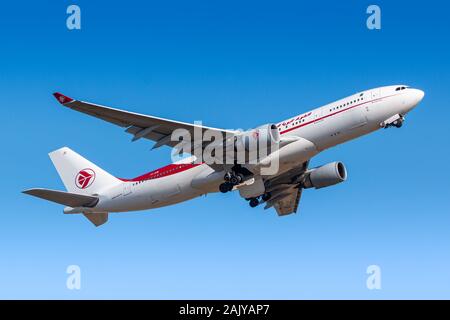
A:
(266, 196)
(253, 202)
(398, 124)
(234, 180)
(225, 187)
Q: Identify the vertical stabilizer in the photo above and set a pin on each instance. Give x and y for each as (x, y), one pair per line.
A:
(79, 175)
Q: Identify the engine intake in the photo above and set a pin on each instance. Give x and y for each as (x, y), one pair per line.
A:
(325, 176)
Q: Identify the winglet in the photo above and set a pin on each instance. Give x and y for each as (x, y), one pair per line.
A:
(62, 98)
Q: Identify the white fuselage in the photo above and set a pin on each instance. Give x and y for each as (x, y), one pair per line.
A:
(325, 127)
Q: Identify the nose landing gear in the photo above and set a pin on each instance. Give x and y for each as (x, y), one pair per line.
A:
(394, 121)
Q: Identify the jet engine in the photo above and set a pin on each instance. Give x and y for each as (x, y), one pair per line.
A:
(263, 136)
(325, 176)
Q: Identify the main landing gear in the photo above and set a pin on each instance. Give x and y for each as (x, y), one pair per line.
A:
(234, 177)
(254, 202)
(231, 179)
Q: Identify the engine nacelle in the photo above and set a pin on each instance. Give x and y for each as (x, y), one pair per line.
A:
(325, 176)
(263, 136)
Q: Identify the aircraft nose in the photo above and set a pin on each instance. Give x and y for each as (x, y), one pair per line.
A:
(411, 99)
(418, 95)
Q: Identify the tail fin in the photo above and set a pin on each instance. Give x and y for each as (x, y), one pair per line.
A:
(79, 175)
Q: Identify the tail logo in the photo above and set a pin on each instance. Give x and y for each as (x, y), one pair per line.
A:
(85, 178)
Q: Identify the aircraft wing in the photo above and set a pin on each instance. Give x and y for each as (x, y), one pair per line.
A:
(285, 190)
(139, 125)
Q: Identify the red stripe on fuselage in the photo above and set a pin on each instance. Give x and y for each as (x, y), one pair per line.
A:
(163, 172)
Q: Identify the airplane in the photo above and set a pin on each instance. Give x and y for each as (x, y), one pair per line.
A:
(95, 193)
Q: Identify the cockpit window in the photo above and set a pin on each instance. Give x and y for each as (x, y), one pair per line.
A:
(400, 88)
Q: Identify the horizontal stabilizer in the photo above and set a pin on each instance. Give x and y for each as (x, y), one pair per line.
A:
(65, 198)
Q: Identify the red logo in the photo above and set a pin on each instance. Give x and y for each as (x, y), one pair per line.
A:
(85, 178)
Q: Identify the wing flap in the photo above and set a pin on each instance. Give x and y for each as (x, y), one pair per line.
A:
(285, 190)
(288, 204)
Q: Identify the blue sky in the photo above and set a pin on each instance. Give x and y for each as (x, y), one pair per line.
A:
(233, 64)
